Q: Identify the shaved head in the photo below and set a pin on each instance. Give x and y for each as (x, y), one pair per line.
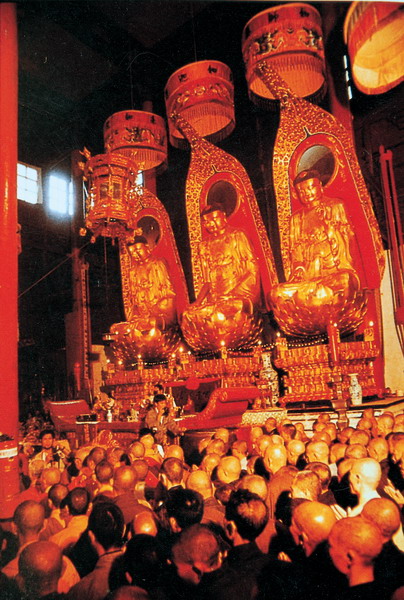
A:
(314, 521)
(137, 450)
(40, 566)
(294, 449)
(144, 523)
(29, 517)
(222, 433)
(199, 481)
(124, 479)
(378, 449)
(209, 462)
(229, 469)
(356, 451)
(383, 513)
(216, 447)
(255, 484)
(354, 535)
(275, 458)
(317, 451)
(174, 451)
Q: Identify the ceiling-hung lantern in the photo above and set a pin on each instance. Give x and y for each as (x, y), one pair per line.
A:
(138, 134)
(109, 203)
(202, 93)
(374, 34)
(289, 37)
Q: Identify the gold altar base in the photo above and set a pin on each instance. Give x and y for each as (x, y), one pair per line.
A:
(132, 387)
(321, 372)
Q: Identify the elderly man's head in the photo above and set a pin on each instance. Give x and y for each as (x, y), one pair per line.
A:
(196, 552)
(229, 469)
(209, 462)
(223, 434)
(378, 449)
(385, 514)
(262, 443)
(246, 516)
(311, 525)
(239, 449)
(200, 482)
(385, 424)
(49, 477)
(359, 436)
(255, 484)
(317, 452)
(216, 446)
(275, 458)
(172, 472)
(29, 519)
(255, 433)
(270, 424)
(306, 485)
(124, 479)
(364, 475)
(136, 450)
(355, 451)
(40, 567)
(294, 449)
(174, 451)
(354, 544)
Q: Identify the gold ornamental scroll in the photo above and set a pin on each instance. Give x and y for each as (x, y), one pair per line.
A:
(212, 168)
(208, 165)
(153, 224)
(300, 123)
(351, 252)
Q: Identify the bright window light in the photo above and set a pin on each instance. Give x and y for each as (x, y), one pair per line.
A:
(29, 186)
(60, 195)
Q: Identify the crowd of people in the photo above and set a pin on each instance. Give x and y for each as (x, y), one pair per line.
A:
(262, 512)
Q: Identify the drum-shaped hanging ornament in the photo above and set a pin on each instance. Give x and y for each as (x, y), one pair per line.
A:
(202, 93)
(374, 33)
(289, 37)
(139, 134)
(111, 185)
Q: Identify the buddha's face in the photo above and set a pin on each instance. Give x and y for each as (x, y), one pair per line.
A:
(215, 222)
(310, 191)
(139, 252)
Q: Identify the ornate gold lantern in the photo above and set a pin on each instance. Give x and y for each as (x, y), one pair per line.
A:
(140, 134)
(111, 180)
(374, 33)
(203, 93)
(289, 37)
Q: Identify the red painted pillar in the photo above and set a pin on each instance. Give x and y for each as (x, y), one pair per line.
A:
(8, 251)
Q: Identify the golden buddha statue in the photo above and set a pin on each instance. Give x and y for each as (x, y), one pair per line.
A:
(224, 308)
(152, 307)
(323, 286)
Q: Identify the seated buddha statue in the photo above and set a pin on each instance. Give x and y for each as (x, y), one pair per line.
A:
(323, 285)
(230, 292)
(152, 307)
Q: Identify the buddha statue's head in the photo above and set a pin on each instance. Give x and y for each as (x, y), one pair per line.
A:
(139, 249)
(214, 220)
(309, 188)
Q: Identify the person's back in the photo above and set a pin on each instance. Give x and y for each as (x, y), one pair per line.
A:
(105, 530)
